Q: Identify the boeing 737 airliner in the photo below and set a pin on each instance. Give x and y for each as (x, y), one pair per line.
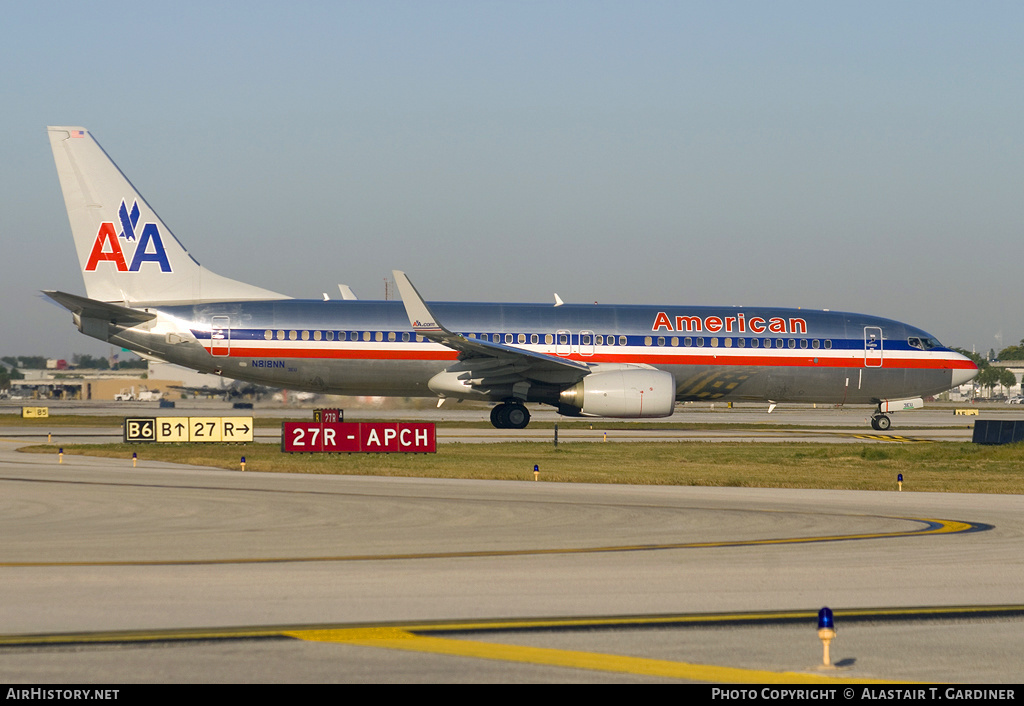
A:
(146, 293)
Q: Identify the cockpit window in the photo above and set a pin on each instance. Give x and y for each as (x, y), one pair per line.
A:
(923, 343)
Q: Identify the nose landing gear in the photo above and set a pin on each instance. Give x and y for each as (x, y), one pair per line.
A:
(880, 422)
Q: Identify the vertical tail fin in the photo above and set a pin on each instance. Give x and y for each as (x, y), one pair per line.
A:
(126, 252)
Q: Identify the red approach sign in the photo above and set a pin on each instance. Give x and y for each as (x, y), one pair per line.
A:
(358, 437)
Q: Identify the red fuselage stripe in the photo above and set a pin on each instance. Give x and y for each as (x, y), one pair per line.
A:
(808, 361)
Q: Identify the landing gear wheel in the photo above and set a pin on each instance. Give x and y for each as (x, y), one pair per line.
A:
(516, 416)
(881, 423)
(510, 416)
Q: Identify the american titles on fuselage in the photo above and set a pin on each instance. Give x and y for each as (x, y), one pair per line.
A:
(729, 324)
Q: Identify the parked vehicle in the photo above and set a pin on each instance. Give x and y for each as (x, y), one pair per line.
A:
(128, 394)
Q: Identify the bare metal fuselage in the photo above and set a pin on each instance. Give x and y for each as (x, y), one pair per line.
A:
(369, 348)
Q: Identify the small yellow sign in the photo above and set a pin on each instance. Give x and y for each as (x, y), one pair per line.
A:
(236, 429)
(205, 428)
(233, 430)
(172, 429)
(35, 412)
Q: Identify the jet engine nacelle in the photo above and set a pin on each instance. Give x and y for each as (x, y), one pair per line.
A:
(626, 393)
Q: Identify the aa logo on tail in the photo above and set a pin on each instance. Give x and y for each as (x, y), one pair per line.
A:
(148, 245)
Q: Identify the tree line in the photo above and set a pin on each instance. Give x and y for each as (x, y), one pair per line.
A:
(990, 376)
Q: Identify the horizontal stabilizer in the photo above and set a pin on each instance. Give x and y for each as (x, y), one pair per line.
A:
(92, 309)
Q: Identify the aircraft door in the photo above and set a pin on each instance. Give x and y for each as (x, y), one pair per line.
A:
(872, 347)
(220, 336)
(586, 343)
(563, 343)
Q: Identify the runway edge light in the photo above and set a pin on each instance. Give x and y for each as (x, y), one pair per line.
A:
(826, 632)
(536, 471)
(899, 481)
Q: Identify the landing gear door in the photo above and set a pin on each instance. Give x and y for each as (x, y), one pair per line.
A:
(872, 347)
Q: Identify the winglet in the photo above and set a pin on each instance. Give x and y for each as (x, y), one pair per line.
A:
(420, 316)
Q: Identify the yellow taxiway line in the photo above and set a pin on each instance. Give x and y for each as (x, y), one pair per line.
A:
(931, 527)
(418, 637)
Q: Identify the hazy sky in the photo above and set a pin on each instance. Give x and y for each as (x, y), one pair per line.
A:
(854, 156)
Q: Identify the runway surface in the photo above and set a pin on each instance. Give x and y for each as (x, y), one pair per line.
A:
(699, 422)
(184, 574)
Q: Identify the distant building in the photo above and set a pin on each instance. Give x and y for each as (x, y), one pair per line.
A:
(58, 383)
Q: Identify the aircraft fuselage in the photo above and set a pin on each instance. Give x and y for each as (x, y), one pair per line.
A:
(714, 353)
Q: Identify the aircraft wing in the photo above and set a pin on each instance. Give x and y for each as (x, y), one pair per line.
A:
(482, 355)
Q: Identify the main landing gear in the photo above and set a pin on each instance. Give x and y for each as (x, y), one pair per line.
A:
(880, 422)
(510, 415)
